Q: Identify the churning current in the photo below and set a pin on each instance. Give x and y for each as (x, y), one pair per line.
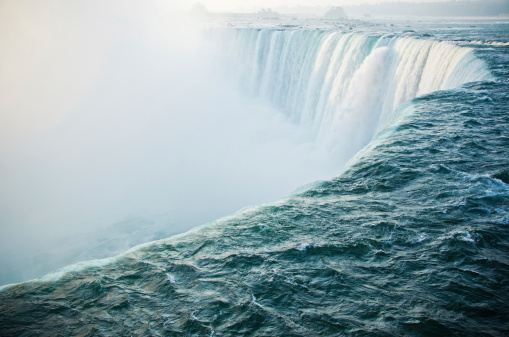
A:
(411, 239)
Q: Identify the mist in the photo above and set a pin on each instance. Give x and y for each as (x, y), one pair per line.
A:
(117, 130)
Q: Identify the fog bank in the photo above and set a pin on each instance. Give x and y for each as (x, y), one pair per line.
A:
(116, 130)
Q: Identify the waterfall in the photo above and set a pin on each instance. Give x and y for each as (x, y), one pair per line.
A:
(341, 86)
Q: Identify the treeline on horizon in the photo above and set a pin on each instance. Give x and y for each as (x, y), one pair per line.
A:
(451, 8)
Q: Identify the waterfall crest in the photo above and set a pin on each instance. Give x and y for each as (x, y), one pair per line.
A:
(340, 86)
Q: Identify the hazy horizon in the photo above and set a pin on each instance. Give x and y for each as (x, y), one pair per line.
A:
(288, 5)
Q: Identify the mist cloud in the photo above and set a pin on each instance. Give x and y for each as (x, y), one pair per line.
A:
(112, 112)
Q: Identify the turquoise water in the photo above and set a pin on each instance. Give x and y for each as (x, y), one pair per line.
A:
(410, 240)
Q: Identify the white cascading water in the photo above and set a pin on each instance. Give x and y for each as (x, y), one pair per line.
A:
(342, 87)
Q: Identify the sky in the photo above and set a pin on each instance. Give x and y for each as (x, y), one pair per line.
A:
(232, 5)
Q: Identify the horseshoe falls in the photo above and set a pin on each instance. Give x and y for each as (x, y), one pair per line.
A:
(401, 230)
(343, 87)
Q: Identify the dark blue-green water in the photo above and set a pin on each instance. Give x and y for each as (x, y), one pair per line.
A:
(412, 239)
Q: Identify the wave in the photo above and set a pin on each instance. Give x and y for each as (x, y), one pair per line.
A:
(388, 248)
(410, 239)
